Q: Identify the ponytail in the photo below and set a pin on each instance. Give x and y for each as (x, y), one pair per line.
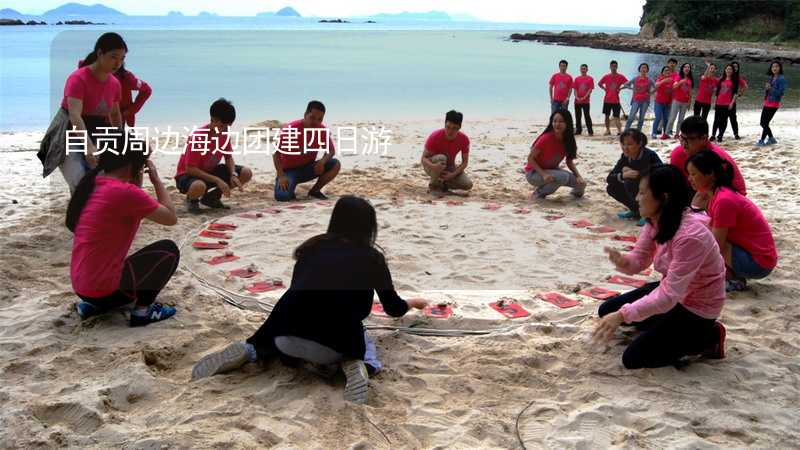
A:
(107, 42)
(708, 163)
(80, 197)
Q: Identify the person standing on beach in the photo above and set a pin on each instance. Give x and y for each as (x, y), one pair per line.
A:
(727, 91)
(556, 143)
(91, 101)
(612, 83)
(672, 63)
(104, 215)
(127, 105)
(200, 174)
(774, 90)
(318, 320)
(705, 91)
(560, 87)
(642, 87)
(636, 161)
(681, 97)
(299, 144)
(732, 112)
(583, 85)
(439, 157)
(677, 316)
(663, 102)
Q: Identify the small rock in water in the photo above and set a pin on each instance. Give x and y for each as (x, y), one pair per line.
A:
(14, 202)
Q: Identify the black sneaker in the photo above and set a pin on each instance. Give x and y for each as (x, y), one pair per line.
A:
(318, 195)
(213, 201)
(193, 206)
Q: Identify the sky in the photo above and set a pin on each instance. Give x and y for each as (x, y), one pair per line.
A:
(619, 13)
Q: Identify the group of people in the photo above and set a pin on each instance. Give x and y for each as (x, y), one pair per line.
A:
(673, 89)
(699, 228)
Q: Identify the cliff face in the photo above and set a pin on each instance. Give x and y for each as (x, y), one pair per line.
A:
(751, 20)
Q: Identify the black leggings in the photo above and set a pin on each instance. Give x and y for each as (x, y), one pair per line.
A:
(701, 109)
(734, 121)
(664, 338)
(144, 275)
(582, 108)
(625, 192)
(721, 113)
(766, 117)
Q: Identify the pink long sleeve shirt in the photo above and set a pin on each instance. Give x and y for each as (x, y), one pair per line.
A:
(692, 267)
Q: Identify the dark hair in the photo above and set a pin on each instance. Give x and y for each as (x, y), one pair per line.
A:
(613, 61)
(734, 80)
(694, 125)
(672, 60)
(563, 61)
(637, 136)
(708, 162)
(353, 221)
(585, 65)
(736, 66)
(780, 68)
(107, 162)
(643, 64)
(223, 110)
(315, 104)
(107, 42)
(454, 116)
(663, 69)
(121, 72)
(690, 76)
(669, 187)
(569, 134)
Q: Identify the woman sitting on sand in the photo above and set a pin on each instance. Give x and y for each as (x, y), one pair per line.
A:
(556, 143)
(742, 232)
(634, 164)
(677, 316)
(318, 319)
(104, 214)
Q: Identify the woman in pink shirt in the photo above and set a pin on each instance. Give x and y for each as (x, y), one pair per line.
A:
(104, 215)
(743, 234)
(705, 91)
(663, 102)
(556, 143)
(681, 97)
(642, 87)
(128, 106)
(727, 91)
(678, 315)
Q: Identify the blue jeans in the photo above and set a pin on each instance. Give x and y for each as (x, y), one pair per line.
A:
(641, 108)
(662, 117)
(744, 266)
(555, 106)
(298, 175)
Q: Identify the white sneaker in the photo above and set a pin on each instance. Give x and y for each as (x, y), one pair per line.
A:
(356, 390)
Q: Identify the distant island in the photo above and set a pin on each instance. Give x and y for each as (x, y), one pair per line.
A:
(283, 12)
(69, 10)
(431, 15)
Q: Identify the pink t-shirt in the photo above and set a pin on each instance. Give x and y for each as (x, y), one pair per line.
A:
(551, 152)
(562, 83)
(104, 234)
(706, 89)
(725, 93)
(612, 82)
(747, 227)
(292, 145)
(438, 144)
(582, 85)
(679, 156)
(129, 84)
(641, 89)
(683, 92)
(98, 97)
(664, 91)
(692, 267)
(675, 76)
(203, 152)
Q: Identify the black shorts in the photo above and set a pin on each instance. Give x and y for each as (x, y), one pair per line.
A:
(611, 108)
(184, 182)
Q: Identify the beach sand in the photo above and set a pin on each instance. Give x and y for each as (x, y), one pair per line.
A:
(100, 384)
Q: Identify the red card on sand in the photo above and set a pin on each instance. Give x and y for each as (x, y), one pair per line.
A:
(243, 273)
(215, 234)
(271, 210)
(583, 223)
(602, 229)
(627, 281)
(323, 203)
(219, 226)
(296, 206)
(553, 217)
(251, 215)
(377, 309)
(492, 206)
(209, 245)
(454, 203)
(438, 311)
(599, 293)
(263, 286)
(509, 308)
(522, 211)
(558, 299)
(618, 237)
(222, 259)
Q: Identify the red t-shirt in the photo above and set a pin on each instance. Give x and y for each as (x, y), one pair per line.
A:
(706, 89)
(129, 84)
(612, 83)
(725, 93)
(683, 93)
(675, 76)
(747, 227)
(582, 84)
(438, 144)
(98, 97)
(104, 234)
(641, 89)
(551, 152)
(562, 83)
(664, 91)
(202, 151)
(678, 158)
(292, 144)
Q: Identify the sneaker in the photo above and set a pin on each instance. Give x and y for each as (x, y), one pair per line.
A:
(734, 285)
(538, 195)
(761, 143)
(85, 310)
(626, 215)
(607, 133)
(653, 137)
(155, 313)
(712, 138)
(736, 136)
(213, 200)
(356, 389)
(717, 351)
(230, 358)
(641, 222)
(772, 141)
(193, 206)
(664, 137)
(318, 195)
(719, 139)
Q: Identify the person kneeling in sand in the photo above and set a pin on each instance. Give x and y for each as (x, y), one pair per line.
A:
(634, 163)
(556, 143)
(439, 157)
(678, 315)
(318, 319)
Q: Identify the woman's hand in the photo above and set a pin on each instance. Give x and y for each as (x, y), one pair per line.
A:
(607, 326)
(617, 259)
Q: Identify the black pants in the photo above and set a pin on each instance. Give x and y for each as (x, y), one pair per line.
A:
(702, 109)
(144, 275)
(766, 117)
(721, 113)
(664, 338)
(582, 108)
(734, 121)
(625, 192)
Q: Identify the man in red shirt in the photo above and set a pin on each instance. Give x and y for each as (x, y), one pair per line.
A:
(583, 85)
(439, 157)
(560, 87)
(612, 83)
(296, 161)
(200, 175)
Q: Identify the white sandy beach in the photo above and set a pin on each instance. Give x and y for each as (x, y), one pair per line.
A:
(100, 384)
